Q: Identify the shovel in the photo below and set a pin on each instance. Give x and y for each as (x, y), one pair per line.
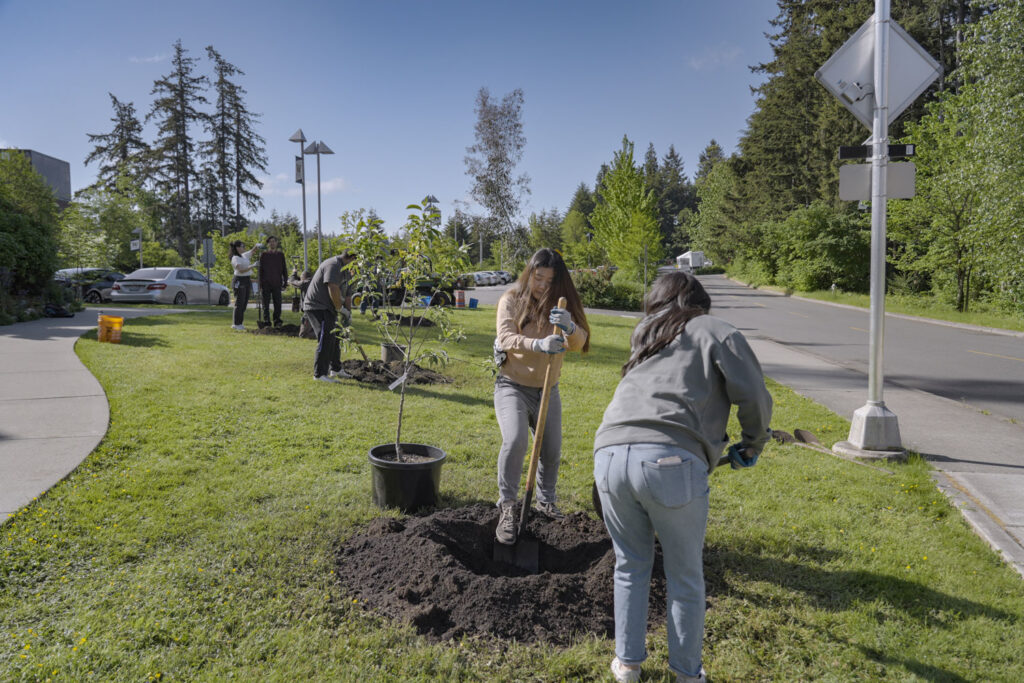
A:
(802, 437)
(525, 552)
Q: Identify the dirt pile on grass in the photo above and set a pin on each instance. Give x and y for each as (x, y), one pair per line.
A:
(437, 572)
(379, 372)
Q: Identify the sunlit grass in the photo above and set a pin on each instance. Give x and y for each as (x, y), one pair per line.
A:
(197, 541)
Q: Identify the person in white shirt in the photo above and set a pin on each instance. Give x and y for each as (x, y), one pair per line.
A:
(241, 283)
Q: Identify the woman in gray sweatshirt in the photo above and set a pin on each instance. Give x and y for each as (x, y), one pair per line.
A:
(662, 434)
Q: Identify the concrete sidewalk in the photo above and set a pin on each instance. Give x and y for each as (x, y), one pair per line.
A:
(53, 412)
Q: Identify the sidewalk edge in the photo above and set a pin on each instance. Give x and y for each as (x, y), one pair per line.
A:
(981, 520)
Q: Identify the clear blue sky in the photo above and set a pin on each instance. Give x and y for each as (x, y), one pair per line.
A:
(390, 85)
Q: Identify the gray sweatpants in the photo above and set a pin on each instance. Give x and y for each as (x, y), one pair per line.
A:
(516, 408)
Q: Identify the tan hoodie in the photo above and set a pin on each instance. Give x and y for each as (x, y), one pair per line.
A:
(524, 365)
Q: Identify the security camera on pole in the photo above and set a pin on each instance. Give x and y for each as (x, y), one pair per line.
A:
(876, 74)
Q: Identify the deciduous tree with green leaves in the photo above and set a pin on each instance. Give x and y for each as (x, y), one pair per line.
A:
(626, 221)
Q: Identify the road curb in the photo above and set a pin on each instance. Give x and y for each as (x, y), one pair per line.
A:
(982, 521)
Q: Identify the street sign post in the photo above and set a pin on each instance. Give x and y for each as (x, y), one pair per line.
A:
(876, 74)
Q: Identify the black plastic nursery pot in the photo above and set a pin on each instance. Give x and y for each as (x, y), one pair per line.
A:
(407, 486)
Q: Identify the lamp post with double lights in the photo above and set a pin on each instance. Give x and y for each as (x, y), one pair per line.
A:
(300, 173)
(318, 147)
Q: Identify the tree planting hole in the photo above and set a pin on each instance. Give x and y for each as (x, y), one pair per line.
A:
(438, 573)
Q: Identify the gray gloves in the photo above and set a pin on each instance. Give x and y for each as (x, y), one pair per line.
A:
(561, 317)
(552, 343)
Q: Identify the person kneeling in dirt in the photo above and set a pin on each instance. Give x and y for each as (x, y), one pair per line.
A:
(526, 313)
(327, 296)
(661, 436)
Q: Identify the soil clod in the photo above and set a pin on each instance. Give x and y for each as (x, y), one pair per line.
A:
(379, 372)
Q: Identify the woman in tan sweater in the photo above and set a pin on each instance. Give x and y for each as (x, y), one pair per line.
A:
(526, 313)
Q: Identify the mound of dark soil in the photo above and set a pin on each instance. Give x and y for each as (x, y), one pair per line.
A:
(379, 372)
(407, 320)
(437, 573)
(288, 330)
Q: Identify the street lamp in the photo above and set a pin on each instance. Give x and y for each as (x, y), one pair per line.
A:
(300, 173)
(318, 148)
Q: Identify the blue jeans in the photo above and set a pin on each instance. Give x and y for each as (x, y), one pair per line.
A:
(642, 497)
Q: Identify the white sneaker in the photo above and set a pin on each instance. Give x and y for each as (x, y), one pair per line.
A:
(325, 378)
(700, 678)
(340, 374)
(240, 328)
(625, 673)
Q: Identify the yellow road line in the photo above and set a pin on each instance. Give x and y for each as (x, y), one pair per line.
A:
(799, 314)
(995, 355)
(859, 329)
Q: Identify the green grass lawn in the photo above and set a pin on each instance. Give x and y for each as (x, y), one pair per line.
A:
(921, 306)
(197, 541)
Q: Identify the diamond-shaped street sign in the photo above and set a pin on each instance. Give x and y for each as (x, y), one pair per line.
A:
(849, 73)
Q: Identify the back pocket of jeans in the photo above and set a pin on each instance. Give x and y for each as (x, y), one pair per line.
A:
(670, 484)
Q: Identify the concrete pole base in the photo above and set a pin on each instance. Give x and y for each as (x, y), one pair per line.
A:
(874, 434)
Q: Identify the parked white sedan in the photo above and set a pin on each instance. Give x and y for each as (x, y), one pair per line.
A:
(177, 286)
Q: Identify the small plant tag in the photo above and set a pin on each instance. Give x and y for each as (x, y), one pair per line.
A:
(399, 381)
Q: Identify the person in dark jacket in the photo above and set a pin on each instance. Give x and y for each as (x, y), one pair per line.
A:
(661, 436)
(273, 278)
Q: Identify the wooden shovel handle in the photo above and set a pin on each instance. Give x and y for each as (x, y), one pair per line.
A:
(538, 434)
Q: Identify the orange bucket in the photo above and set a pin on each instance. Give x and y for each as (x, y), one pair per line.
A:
(110, 329)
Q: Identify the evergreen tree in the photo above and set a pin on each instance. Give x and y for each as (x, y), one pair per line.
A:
(675, 194)
(122, 150)
(711, 155)
(583, 200)
(234, 151)
(626, 223)
(175, 111)
(545, 229)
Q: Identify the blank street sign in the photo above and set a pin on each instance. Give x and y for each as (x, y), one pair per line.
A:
(855, 181)
(849, 73)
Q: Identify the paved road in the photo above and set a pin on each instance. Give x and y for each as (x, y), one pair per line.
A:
(980, 369)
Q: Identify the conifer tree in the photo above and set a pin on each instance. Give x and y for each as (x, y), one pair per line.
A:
(179, 93)
(122, 151)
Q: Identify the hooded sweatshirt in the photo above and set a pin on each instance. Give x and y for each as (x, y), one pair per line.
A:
(682, 395)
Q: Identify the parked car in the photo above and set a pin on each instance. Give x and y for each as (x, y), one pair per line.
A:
(483, 278)
(92, 285)
(177, 286)
(506, 277)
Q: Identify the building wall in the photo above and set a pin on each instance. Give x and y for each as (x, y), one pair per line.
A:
(56, 172)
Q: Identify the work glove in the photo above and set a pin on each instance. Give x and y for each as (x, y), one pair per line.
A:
(561, 318)
(345, 316)
(499, 354)
(552, 343)
(736, 459)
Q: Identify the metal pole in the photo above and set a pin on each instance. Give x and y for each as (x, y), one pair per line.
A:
(319, 224)
(879, 165)
(305, 232)
(140, 248)
(874, 430)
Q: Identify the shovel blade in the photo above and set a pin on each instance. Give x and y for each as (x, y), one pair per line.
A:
(525, 554)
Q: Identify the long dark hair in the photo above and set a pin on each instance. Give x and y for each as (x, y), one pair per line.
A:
(526, 309)
(233, 248)
(675, 299)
